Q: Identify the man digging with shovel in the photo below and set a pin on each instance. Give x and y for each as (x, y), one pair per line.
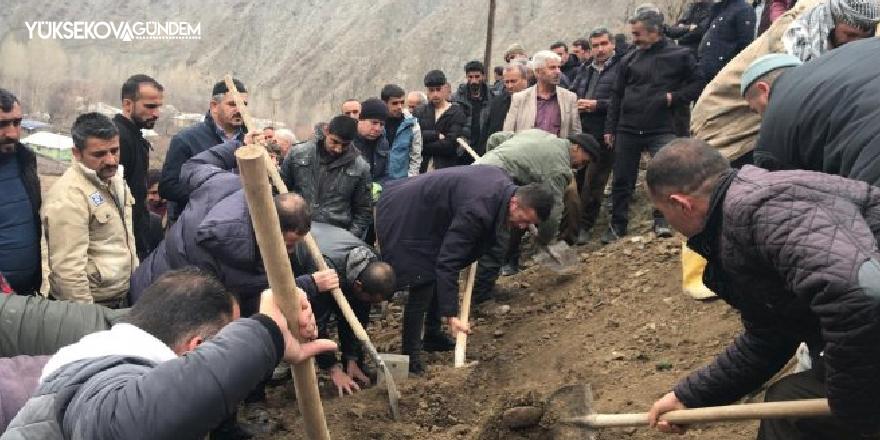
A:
(432, 226)
(796, 253)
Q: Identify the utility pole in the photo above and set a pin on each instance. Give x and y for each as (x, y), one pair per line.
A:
(490, 27)
(275, 96)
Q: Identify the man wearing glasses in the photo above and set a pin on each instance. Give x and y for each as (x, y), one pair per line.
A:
(333, 177)
(19, 202)
(141, 107)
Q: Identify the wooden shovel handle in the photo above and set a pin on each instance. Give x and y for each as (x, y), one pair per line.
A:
(464, 316)
(468, 148)
(809, 408)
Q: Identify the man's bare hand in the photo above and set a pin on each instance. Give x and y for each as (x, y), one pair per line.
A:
(355, 373)
(326, 280)
(609, 140)
(344, 383)
(456, 326)
(666, 403)
(294, 351)
(255, 139)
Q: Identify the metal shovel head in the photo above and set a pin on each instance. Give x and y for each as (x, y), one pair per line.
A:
(568, 402)
(393, 394)
(559, 258)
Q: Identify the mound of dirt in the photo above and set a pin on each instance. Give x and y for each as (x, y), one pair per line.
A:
(622, 325)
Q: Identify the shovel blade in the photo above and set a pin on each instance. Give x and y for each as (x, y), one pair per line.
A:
(393, 395)
(559, 258)
(569, 402)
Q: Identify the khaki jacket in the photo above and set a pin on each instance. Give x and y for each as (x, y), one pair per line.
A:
(524, 108)
(88, 239)
(721, 116)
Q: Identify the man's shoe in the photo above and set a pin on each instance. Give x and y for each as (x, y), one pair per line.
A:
(583, 237)
(661, 228)
(232, 431)
(612, 234)
(416, 368)
(437, 342)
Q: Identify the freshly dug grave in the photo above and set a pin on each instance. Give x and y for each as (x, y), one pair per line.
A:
(623, 325)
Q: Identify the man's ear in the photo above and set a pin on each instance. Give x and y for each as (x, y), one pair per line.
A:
(514, 203)
(763, 87)
(127, 106)
(326, 130)
(189, 345)
(682, 201)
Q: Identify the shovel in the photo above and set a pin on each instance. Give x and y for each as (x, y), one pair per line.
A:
(357, 328)
(560, 257)
(568, 400)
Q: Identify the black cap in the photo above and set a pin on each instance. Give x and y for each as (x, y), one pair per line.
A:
(588, 143)
(435, 78)
(374, 108)
(220, 88)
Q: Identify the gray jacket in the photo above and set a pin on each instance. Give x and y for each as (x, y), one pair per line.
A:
(130, 397)
(33, 326)
(338, 192)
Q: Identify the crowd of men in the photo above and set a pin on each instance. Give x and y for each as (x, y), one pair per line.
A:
(117, 271)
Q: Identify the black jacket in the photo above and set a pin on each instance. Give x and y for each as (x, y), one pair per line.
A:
(214, 232)
(474, 134)
(432, 226)
(134, 155)
(339, 192)
(495, 121)
(594, 122)
(699, 14)
(184, 145)
(822, 118)
(453, 124)
(731, 31)
(644, 77)
(376, 154)
(569, 69)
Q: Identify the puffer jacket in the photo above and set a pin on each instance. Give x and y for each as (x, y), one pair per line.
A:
(124, 383)
(721, 116)
(214, 232)
(452, 124)
(33, 325)
(406, 150)
(338, 193)
(816, 116)
(24, 277)
(594, 122)
(796, 253)
(87, 226)
(534, 156)
(731, 31)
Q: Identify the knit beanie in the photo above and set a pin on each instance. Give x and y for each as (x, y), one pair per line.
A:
(374, 108)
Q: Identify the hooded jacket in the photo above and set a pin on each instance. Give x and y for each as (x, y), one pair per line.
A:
(338, 192)
(214, 232)
(796, 253)
(405, 157)
(125, 383)
(87, 226)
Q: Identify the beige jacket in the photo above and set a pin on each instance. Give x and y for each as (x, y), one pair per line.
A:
(721, 116)
(524, 107)
(88, 238)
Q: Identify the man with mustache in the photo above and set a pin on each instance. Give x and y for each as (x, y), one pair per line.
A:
(222, 122)
(545, 105)
(19, 202)
(141, 107)
(87, 220)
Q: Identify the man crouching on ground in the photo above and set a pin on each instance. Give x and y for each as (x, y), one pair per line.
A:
(173, 371)
(795, 252)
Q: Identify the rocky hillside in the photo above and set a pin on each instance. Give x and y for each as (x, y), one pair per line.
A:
(317, 53)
